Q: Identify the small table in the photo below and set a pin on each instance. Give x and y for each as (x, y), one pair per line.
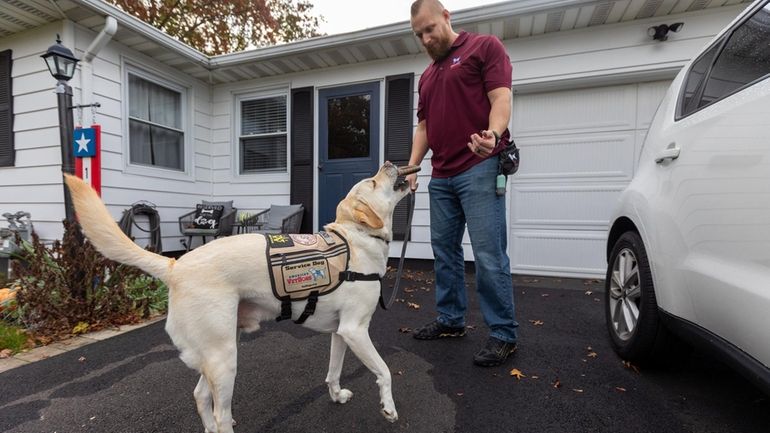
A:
(240, 228)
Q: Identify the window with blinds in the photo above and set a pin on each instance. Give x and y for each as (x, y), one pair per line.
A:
(263, 135)
(156, 133)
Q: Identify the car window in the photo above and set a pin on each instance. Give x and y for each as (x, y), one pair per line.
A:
(741, 60)
(695, 79)
(745, 58)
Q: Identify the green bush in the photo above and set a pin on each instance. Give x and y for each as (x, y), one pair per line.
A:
(12, 338)
(69, 287)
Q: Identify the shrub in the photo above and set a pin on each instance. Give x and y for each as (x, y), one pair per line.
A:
(69, 287)
(12, 339)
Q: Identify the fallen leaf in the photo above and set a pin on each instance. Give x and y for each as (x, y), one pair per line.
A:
(630, 366)
(82, 359)
(471, 327)
(597, 300)
(405, 330)
(535, 377)
(588, 292)
(545, 295)
(592, 355)
(413, 305)
(557, 384)
(5, 353)
(399, 373)
(620, 389)
(577, 390)
(80, 328)
(460, 394)
(536, 322)
(517, 374)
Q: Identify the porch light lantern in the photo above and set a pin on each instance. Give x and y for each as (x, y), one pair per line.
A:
(61, 63)
(60, 60)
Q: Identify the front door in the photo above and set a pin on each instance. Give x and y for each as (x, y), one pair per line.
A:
(348, 135)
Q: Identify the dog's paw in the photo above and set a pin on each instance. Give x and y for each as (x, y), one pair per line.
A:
(390, 414)
(343, 396)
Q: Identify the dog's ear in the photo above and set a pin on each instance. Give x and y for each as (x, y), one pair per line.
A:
(365, 215)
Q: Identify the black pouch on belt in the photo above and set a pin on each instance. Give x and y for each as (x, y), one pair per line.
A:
(508, 159)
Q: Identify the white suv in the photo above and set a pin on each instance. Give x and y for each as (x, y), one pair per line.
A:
(688, 249)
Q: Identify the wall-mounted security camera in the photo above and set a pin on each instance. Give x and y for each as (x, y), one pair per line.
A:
(660, 32)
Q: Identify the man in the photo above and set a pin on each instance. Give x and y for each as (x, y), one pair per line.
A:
(463, 113)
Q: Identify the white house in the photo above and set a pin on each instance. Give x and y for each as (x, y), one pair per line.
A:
(259, 127)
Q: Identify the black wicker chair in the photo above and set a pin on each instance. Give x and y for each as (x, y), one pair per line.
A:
(205, 223)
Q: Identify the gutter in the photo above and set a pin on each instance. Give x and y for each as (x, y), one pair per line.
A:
(400, 29)
(110, 27)
(86, 65)
(143, 29)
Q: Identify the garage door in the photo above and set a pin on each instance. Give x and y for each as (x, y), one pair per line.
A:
(579, 149)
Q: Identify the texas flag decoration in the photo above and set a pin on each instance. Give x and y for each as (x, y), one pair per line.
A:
(87, 146)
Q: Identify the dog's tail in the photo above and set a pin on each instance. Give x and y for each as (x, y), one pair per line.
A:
(102, 231)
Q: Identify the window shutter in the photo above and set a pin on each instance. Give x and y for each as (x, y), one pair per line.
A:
(399, 129)
(7, 152)
(302, 153)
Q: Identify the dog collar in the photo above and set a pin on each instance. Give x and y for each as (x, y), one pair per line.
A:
(387, 242)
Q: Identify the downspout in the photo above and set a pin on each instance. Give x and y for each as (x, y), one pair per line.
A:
(86, 66)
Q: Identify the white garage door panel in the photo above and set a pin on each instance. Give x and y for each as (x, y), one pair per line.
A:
(650, 95)
(603, 155)
(564, 206)
(575, 254)
(579, 150)
(572, 111)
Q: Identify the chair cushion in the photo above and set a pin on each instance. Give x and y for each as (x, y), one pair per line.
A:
(277, 214)
(228, 205)
(207, 216)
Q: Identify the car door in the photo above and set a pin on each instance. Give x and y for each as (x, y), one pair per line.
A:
(716, 165)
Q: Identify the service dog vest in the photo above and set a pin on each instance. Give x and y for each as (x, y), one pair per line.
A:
(301, 264)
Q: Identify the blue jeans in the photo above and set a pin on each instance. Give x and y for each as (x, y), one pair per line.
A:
(469, 198)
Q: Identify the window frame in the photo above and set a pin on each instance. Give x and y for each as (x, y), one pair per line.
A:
(277, 175)
(185, 94)
(720, 42)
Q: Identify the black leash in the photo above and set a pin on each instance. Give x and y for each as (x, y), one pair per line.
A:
(400, 271)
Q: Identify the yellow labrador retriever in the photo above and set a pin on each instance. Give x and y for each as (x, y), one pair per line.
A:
(224, 285)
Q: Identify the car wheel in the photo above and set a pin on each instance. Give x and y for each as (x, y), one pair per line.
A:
(631, 309)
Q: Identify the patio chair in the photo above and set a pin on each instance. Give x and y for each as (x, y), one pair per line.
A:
(209, 219)
(277, 219)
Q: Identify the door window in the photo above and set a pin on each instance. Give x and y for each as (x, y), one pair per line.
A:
(349, 126)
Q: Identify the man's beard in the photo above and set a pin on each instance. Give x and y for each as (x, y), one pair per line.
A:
(439, 50)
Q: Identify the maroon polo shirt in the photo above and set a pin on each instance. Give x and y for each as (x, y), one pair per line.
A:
(453, 99)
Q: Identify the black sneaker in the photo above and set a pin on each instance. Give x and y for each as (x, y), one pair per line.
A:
(435, 330)
(494, 353)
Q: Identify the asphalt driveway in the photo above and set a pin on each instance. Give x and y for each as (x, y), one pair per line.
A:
(571, 380)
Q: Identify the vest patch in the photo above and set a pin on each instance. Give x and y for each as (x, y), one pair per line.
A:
(304, 263)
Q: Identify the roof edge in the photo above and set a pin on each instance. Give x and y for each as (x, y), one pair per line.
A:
(147, 30)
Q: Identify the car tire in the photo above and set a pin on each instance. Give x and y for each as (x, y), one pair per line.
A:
(631, 308)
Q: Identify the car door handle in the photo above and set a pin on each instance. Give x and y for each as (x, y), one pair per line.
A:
(671, 152)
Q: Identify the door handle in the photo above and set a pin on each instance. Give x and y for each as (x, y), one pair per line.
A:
(320, 167)
(671, 152)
